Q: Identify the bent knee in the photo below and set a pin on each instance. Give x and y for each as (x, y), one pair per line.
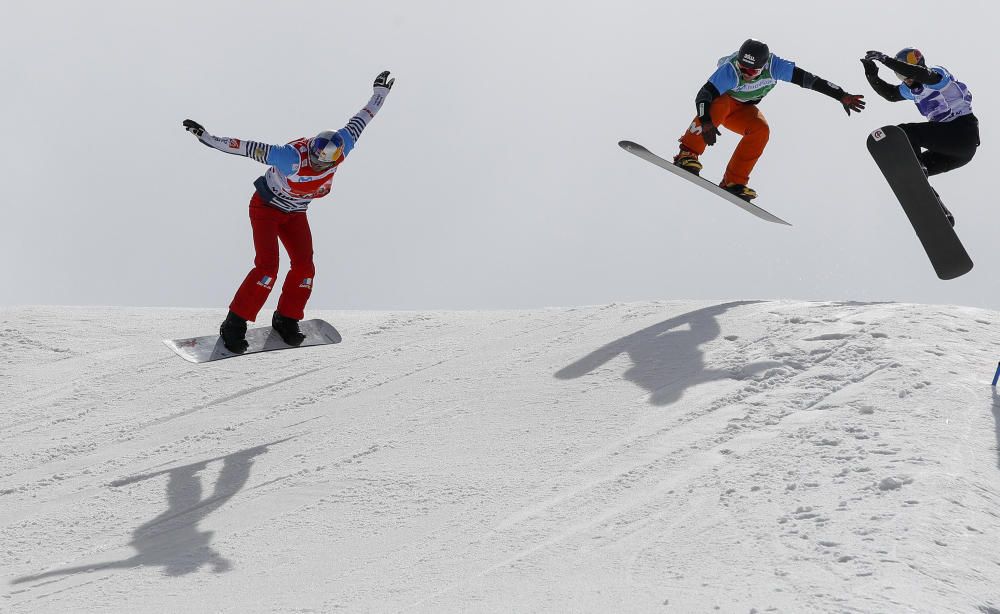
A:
(266, 267)
(303, 268)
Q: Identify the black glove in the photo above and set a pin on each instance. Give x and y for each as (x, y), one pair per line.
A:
(877, 56)
(852, 102)
(871, 68)
(383, 80)
(194, 127)
(709, 132)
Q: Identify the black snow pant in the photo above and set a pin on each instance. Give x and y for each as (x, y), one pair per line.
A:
(948, 145)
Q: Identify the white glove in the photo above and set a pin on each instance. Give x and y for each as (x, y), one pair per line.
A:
(382, 86)
(383, 83)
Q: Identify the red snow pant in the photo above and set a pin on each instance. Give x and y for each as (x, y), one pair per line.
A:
(269, 226)
(742, 118)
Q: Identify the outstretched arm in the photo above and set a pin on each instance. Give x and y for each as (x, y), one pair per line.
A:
(851, 102)
(261, 152)
(356, 125)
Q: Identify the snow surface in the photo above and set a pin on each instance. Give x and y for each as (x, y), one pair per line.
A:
(658, 457)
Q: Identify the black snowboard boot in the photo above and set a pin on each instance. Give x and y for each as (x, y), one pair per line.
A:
(288, 329)
(234, 333)
(947, 214)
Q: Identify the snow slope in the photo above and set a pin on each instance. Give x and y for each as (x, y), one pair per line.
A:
(659, 457)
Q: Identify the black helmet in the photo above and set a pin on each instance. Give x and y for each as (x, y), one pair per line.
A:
(753, 54)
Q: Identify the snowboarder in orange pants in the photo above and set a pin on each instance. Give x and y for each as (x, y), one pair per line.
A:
(730, 98)
(741, 118)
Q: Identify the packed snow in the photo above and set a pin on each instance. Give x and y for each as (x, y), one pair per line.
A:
(745, 456)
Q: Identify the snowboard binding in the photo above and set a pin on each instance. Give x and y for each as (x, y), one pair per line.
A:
(234, 333)
(287, 329)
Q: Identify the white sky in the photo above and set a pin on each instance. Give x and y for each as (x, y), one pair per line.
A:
(491, 178)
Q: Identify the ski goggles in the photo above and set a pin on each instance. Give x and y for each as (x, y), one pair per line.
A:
(748, 71)
(326, 148)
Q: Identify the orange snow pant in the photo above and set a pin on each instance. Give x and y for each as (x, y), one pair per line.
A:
(741, 118)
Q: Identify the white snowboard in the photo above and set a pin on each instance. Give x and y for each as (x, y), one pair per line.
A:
(262, 339)
(645, 154)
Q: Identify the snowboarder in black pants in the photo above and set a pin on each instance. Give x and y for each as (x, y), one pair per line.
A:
(950, 138)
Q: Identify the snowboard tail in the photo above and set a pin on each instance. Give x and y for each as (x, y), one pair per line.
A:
(894, 155)
(263, 339)
(645, 154)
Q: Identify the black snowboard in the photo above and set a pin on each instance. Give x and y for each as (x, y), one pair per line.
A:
(895, 158)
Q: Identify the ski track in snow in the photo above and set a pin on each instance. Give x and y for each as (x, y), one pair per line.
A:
(750, 456)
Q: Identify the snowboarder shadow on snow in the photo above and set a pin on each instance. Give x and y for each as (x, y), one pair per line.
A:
(666, 358)
(172, 539)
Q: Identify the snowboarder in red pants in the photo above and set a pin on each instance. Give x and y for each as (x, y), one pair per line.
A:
(299, 172)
